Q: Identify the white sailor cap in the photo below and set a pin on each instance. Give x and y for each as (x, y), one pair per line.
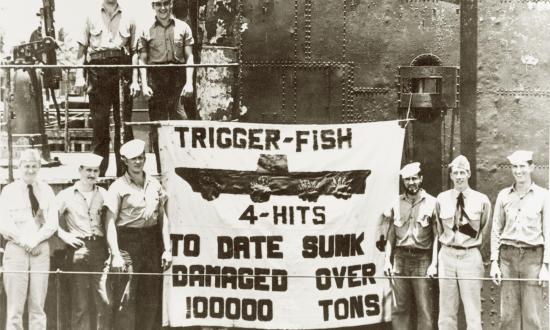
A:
(520, 156)
(410, 170)
(90, 160)
(132, 148)
(460, 162)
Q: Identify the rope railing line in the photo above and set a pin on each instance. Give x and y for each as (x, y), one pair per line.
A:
(115, 66)
(62, 272)
(175, 122)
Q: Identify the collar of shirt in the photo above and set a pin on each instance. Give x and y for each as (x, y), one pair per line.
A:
(532, 188)
(465, 193)
(421, 193)
(76, 187)
(23, 185)
(158, 23)
(146, 179)
(118, 10)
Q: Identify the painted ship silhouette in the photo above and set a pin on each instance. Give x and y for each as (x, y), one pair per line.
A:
(273, 178)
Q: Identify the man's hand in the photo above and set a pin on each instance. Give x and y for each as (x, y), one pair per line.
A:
(72, 240)
(166, 260)
(28, 243)
(432, 270)
(34, 252)
(187, 90)
(543, 274)
(388, 268)
(117, 263)
(134, 89)
(146, 90)
(495, 273)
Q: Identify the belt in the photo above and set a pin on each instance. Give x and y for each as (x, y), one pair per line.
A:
(528, 248)
(411, 249)
(92, 238)
(138, 230)
(107, 54)
(461, 247)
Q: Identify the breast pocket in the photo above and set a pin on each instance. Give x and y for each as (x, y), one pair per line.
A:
(474, 216)
(96, 34)
(533, 218)
(401, 226)
(156, 40)
(152, 205)
(447, 214)
(423, 226)
(124, 36)
(134, 201)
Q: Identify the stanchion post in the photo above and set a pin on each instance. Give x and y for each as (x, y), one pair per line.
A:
(8, 112)
(58, 299)
(67, 87)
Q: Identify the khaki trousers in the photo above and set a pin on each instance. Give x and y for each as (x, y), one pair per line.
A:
(20, 285)
(462, 264)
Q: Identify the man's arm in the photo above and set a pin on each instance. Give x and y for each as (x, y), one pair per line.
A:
(432, 269)
(497, 227)
(543, 274)
(188, 87)
(390, 243)
(166, 260)
(117, 263)
(142, 58)
(8, 229)
(51, 218)
(485, 217)
(81, 54)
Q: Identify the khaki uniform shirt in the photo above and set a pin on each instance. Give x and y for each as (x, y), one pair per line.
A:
(165, 44)
(102, 32)
(16, 218)
(415, 226)
(521, 221)
(81, 218)
(135, 206)
(477, 208)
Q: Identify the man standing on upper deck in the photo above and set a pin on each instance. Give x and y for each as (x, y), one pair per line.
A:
(165, 40)
(520, 245)
(108, 39)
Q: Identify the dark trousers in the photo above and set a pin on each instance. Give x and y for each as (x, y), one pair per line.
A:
(412, 291)
(166, 84)
(137, 299)
(88, 258)
(521, 301)
(103, 90)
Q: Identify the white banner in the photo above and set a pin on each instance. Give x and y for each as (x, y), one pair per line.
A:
(275, 226)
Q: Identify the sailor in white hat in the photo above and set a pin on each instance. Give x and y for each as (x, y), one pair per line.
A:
(81, 228)
(414, 236)
(138, 223)
(463, 214)
(520, 246)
